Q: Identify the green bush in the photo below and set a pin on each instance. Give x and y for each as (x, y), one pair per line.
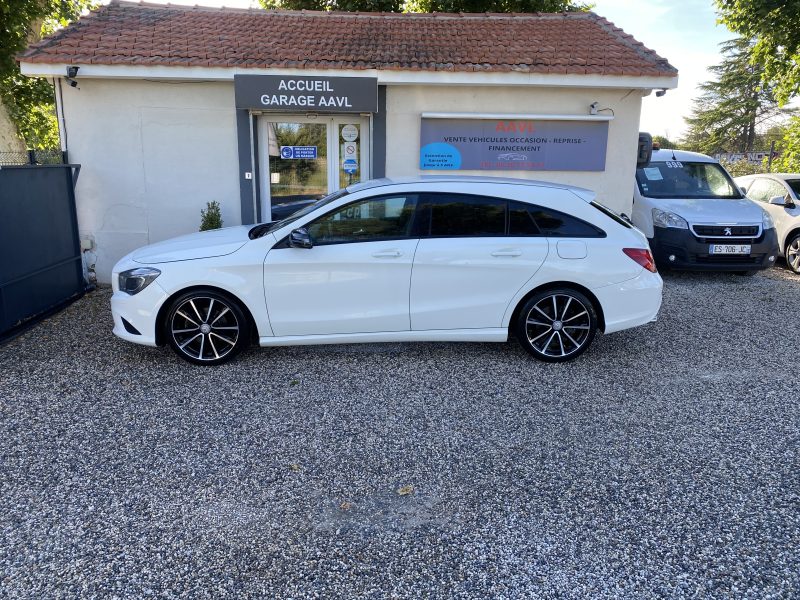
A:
(210, 216)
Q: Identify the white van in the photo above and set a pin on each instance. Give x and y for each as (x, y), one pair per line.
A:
(695, 217)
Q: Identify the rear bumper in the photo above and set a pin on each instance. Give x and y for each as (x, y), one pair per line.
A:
(631, 303)
(692, 253)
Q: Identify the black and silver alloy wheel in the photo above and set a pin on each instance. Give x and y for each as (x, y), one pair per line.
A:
(557, 325)
(205, 327)
(793, 254)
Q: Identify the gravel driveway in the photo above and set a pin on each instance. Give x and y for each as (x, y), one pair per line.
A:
(664, 462)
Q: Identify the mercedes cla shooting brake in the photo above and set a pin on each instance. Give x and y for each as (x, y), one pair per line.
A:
(430, 259)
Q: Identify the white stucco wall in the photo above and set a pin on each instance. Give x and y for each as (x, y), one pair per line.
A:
(614, 186)
(152, 155)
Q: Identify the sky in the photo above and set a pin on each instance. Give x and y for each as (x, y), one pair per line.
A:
(684, 32)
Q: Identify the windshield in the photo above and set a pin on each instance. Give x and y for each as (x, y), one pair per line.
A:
(265, 228)
(687, 180)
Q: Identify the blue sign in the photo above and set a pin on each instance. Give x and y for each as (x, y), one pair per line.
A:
(350, 166)
(305, 152)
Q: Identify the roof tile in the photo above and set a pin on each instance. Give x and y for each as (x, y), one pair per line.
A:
(141, 34)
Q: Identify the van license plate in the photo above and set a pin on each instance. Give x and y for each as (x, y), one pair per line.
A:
(729, 249)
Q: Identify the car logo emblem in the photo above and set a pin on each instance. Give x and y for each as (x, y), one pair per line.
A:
(728, 231)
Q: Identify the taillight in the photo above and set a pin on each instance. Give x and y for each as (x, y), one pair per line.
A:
(643, 257)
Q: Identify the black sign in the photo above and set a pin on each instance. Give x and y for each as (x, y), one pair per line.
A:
(281, 93)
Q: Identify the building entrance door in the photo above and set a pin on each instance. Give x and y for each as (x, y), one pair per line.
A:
(304, 158)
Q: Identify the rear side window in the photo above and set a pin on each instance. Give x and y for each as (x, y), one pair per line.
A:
(458, 215)
(557, 224)
(520, 220)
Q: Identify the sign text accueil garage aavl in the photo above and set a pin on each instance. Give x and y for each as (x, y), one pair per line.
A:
(305, 93)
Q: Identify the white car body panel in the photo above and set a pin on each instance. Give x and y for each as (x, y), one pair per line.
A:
(339, 288)
(413, 290)
(466, 283)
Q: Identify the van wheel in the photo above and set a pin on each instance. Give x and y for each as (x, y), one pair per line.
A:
(556, 325)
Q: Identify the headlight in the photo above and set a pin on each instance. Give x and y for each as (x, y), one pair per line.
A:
(662, 218)
(766, 220)
(134, 281)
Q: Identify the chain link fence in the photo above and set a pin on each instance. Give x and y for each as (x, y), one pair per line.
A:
(47, 156)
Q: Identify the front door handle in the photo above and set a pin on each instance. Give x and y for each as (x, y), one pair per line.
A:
(509, 252)
(387, 254)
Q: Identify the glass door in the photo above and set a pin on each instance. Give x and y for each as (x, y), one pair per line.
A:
(305, 158)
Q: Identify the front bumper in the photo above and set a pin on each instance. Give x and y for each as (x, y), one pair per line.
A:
(139, 312)
(692, 252)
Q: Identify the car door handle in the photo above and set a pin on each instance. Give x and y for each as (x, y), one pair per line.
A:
(387, 254)
(509, 252)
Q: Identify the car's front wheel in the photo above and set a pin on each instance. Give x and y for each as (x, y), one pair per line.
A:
(205, 327)
(556, 325)
(793, 253)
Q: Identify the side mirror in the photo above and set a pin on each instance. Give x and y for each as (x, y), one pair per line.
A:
(782, 201)
(299, 238)
(645, 150)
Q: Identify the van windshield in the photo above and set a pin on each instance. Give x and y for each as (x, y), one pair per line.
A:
(689, 180)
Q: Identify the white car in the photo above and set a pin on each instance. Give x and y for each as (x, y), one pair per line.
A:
(696, 218)
(778, 193)
(431, 259)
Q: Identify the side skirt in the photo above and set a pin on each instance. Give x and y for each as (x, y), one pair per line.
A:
(431, 335)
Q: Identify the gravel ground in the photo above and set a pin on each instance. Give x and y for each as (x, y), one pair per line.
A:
(664, 462)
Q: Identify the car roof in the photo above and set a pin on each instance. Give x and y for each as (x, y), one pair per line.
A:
(583, 193)
(665, 154)
(781, 176)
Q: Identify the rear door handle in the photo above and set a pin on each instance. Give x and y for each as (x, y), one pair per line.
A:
(510, 252)
(387, 254)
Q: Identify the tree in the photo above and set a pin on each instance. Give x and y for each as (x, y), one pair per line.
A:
(30, 102)
(665, 142)
(429, 5)
(789, 145)
(775, 27)
(734, 107)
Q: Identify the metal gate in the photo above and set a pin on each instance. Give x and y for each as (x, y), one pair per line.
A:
(40, 255)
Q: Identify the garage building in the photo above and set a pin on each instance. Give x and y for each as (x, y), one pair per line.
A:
(167, 108)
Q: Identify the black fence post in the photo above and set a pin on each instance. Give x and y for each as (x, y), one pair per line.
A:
(31, 157)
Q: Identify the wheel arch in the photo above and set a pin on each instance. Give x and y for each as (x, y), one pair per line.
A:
(165, 306)
(789, 235)
(601, 320)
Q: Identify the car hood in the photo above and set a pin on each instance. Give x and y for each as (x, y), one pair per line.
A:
(713, 210)
(205, 244)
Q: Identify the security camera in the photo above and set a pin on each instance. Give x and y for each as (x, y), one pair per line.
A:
(660, 93)
(72, 72)
(593, 108)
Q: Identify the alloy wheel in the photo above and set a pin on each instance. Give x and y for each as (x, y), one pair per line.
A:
(558, 326)
(793, 254)
(204, 329)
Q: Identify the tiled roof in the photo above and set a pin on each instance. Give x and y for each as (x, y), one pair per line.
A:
(159, 35)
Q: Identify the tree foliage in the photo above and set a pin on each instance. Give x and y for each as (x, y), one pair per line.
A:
(775, 27)
(789, 145)
(473, 6)
(30, 102)
(734, 107)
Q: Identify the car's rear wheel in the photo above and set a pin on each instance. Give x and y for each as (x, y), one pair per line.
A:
(556, 325)
(205, 327)
(793, 253)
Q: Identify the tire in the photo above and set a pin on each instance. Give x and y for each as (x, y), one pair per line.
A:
(541, 324)
(205, 327)
(792, 253)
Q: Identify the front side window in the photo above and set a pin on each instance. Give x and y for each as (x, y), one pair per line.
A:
(685, 180)
(460, 215)
(763, 189)
(795, 185)
(370, 220)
